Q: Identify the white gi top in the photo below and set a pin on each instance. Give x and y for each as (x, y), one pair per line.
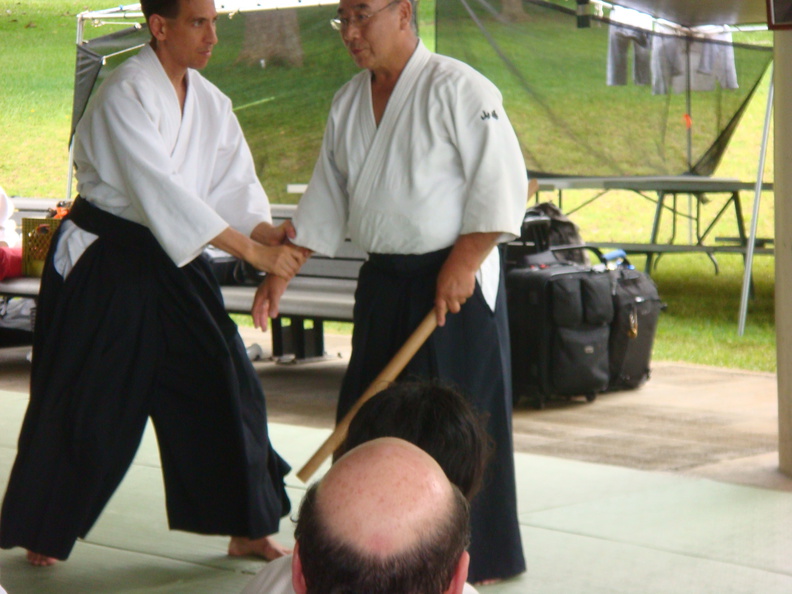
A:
(186, 176)
(8, 231)
(444, 162)
(275, 578)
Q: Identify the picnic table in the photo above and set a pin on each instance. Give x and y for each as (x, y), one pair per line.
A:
(664, 193)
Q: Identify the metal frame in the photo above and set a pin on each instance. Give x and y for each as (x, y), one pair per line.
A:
(746, 287)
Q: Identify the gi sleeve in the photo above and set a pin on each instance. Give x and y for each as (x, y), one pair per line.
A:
(493, 165)
(323, 211)
(236, 193)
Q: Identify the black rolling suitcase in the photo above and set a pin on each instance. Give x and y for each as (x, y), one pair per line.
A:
(637, 308)
(559, 319)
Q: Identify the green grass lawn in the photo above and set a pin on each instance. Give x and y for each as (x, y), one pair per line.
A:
(700, 322)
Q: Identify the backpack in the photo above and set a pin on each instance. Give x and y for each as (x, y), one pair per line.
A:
(562, 232)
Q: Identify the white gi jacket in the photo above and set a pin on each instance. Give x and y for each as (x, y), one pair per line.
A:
(444, 162)
(186, 176)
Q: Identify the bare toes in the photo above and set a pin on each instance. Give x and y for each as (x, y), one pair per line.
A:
(40, 560)
(266, 548)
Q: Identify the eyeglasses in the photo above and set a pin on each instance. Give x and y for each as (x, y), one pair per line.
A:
(360, 20)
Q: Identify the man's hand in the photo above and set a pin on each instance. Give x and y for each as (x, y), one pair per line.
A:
(269, 235)
(457, 278)
(455, 284)
(284, 260)
(267, 300)
(281, 260)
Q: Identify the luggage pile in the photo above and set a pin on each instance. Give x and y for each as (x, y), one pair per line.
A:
(576, 329)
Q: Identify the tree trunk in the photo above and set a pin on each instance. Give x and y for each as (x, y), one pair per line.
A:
(512, 10)
(272, 37)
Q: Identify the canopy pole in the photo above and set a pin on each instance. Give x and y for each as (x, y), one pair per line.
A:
(70, 176)
(689, 126)
(747, 275)
(70, 173)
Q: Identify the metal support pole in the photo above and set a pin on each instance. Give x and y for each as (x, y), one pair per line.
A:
(70, 176)
(70, 173)
(747, 275)
(689, 125)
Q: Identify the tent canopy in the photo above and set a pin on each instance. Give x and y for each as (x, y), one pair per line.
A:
(693, 13)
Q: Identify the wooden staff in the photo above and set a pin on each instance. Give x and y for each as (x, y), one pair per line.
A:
(386, 377)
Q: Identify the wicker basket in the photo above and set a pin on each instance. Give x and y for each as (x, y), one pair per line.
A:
(36, 238)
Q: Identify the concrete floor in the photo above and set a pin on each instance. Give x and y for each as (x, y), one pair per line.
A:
(672, 488)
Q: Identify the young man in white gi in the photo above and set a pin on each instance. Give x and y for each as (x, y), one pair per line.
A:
(131, 322)
(421, 168)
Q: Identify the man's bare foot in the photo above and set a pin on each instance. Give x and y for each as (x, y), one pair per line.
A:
(40, 560)
(265, 547)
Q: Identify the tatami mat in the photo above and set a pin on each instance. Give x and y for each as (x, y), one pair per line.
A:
(587, 528)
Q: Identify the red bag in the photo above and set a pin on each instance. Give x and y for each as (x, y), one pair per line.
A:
(10, 262)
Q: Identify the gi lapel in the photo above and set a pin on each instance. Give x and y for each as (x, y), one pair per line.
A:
(182, 145)
(371, 168)
(169, 124)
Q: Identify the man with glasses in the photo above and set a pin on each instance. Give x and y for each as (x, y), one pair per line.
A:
(421, 168)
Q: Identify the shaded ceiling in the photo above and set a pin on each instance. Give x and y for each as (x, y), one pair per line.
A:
(691, 13)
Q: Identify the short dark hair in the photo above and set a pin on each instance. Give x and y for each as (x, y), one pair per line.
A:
(165, 8)
(434, 417)
(333, 567)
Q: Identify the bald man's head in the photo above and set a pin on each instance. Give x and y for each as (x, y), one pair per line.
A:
(384, 519)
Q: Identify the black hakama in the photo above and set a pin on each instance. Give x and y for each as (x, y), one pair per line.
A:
(128, 336)
(471, 352)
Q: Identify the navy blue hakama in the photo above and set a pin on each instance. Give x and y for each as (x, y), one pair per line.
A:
(471, 353)
(127, 336)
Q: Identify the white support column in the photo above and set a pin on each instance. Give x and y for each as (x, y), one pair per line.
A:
(783, 241)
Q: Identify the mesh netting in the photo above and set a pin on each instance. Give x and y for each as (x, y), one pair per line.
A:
(611, 99)
(553, 75)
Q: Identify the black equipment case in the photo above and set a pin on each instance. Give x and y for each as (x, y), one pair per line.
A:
(637, 308)
(559, 321)
(575, 330)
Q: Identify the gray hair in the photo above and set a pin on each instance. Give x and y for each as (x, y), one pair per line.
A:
(414, 21)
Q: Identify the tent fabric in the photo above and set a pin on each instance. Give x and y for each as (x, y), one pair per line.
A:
(692, 13)
(92, 56)
(89, 63)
